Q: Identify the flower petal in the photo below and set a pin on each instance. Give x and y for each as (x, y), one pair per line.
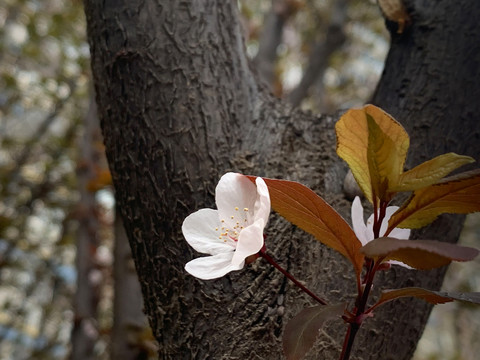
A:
(402, 234)
(234, 190)
(388, 214)
(398, 233)
(369, 235)
(212, 267)
(199, 231)
(249, 242)
(262, 204)
(395, 262)
(358, 223)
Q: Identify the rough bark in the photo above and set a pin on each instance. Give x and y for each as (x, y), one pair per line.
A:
(179, 107)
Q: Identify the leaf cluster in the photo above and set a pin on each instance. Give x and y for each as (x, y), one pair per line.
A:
(375, 147)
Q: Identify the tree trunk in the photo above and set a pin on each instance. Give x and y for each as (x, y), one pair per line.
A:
(270, 38)
(321, 52)
(85, 330)
(130, 325)
(179, 107)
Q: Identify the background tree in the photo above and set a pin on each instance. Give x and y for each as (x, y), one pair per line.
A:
(56, 202)
(179, 106)
(43, 77)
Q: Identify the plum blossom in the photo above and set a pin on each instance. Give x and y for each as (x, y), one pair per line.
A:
(364, 231)
(231, 233)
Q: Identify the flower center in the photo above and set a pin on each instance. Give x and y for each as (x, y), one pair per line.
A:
(231, 227)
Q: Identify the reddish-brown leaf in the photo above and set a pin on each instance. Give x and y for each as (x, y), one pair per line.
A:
(305, 209)
(419, 254)
(434, 297)
(301, 332)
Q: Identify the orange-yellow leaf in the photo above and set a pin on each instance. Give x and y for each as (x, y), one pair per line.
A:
(419, 254)
(102, 179)
(353, 141)
(431, 171)
(394, 10)
(384, 163)
(302, 331)
(305, 209)
(458, 194)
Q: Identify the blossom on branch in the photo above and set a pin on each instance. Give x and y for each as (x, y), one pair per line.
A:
(231, 233)
(364, 231)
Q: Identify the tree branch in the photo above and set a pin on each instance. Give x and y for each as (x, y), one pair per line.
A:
(321, 52)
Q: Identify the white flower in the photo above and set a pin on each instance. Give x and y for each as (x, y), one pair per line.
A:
(364, 231)
(231, 233)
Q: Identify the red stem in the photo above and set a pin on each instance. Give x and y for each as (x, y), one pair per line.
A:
(378, 220)
(267, 257)
(362, 299)
(348, 342)
(357, 319)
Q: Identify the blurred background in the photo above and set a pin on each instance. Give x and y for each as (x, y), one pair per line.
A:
(64, 259)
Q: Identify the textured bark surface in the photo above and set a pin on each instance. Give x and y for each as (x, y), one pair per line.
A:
(179, 107)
